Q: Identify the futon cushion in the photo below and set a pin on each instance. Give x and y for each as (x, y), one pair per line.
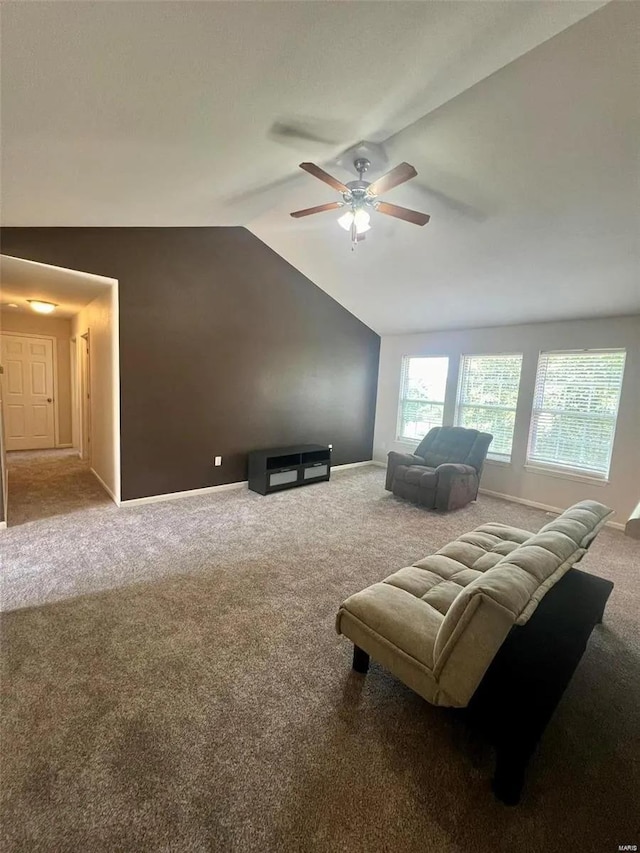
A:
(582, 522)
(519, 580)
(403, 620)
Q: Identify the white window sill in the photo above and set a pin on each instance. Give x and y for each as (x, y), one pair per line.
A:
(505, 463)
(563, 474)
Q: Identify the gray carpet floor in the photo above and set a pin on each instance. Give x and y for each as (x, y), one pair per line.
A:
(172, 682)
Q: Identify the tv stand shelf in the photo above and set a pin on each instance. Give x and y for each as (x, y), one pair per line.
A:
(285, 467)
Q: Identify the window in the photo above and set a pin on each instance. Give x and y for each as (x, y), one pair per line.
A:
(422, 387)
(487, 398)
(575, 407)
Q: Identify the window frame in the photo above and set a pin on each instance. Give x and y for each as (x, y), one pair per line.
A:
(404, 374)
(500, 458)
(557, 468)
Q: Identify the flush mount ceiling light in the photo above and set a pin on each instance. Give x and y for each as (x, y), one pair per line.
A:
(42, 307)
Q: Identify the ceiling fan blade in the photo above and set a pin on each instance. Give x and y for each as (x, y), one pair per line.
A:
(319, 173)
(398, 175)
(403, 213)
(304, 129)
(320, 208)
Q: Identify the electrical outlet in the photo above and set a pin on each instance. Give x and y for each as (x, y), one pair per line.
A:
(217, 461)
(331, 447)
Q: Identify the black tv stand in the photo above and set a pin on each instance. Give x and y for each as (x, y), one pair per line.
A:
(285, 467)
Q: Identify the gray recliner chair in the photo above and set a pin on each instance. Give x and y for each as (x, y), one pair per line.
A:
(444, 472)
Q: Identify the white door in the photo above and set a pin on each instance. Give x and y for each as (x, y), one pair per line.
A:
(28, 392)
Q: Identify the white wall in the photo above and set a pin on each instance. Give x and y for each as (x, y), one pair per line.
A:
(100, 319)
(622, 492)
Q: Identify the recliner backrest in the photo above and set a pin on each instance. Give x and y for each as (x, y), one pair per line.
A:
(454, 444)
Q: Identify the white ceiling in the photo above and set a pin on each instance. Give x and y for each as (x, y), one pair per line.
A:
(70, 290)
(159, 114)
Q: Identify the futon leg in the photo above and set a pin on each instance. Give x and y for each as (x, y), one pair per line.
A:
(508, 779)
(360, 660)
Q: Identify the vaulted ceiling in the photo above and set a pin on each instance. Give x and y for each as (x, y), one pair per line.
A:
(521, 119)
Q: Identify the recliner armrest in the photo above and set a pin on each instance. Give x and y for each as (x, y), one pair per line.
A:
(457, 484)
(449, 469)
(406, 458)
(394, 458)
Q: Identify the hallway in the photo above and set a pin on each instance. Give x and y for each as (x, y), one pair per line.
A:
(46, 483)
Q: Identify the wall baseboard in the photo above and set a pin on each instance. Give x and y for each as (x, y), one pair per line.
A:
(63, 446)
(209, 490)
(105, 487)
(523, 501)
(3, 525)
(351, 465)
(189, 493)
(535, 505)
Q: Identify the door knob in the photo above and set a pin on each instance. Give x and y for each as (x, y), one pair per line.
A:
(49, 400)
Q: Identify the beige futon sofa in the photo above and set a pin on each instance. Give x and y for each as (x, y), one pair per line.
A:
(438, 624)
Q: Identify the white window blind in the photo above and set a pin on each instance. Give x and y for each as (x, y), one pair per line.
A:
(575, 407)
(422, 389)
(488, 396)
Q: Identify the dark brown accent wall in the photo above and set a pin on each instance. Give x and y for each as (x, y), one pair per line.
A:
(224, 348)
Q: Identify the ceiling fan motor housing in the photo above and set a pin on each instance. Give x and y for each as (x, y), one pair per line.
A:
(357, 194)
(357, 187)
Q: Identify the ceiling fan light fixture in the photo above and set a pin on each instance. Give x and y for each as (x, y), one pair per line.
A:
(345, 220)
(360, 217)
(42, 307)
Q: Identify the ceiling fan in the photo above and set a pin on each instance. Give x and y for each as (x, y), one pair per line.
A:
(361, 197)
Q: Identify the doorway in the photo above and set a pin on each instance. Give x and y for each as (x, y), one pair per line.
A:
(73, 438)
